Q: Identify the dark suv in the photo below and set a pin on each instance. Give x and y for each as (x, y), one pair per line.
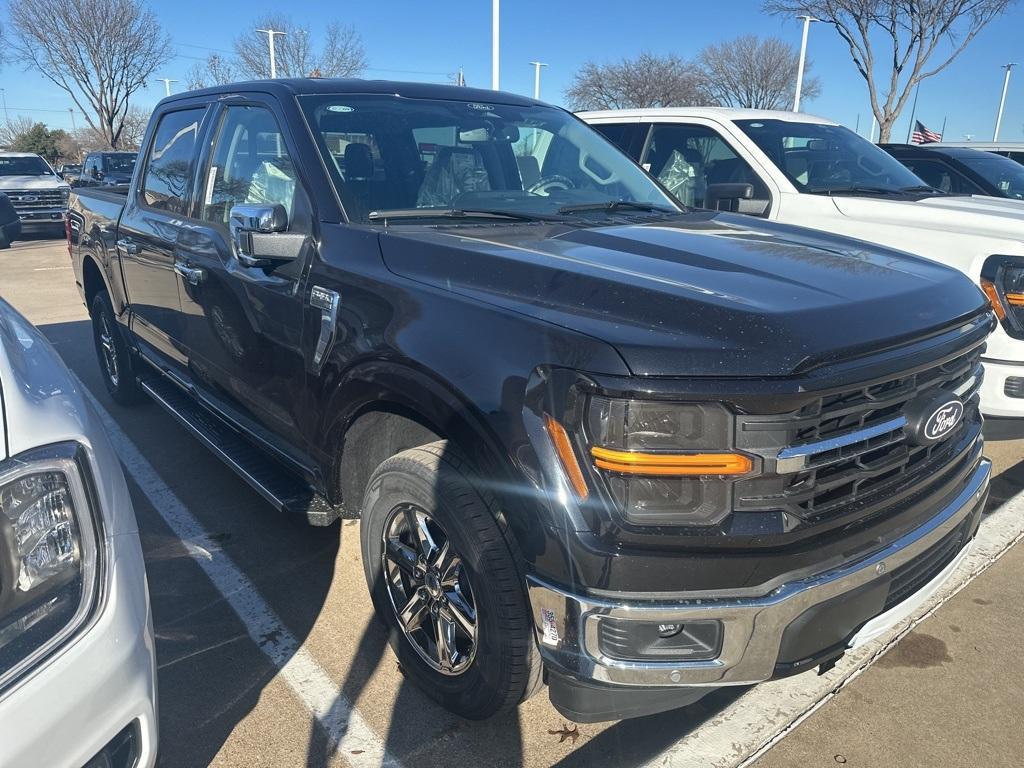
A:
(594, 439)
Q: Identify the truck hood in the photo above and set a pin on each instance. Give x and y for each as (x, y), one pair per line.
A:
(705, 294)
(31, 182)
(986, 216)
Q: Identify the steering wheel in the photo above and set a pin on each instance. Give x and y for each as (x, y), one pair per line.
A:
(549, 184)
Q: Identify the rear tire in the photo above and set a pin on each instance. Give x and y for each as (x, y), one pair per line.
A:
(113, 355)
(497, 665)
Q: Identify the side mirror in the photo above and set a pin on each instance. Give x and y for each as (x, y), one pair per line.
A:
(258, 235)
(731, 194)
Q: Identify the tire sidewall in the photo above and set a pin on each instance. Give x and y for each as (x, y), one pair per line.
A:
(126, 390)
(467, 693)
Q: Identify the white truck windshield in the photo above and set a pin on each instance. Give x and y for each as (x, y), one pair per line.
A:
(830, 159)
(20, 165)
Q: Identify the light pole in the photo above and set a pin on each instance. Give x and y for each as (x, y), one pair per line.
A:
(3, 98)
(495, 42)
(536, 77)
(270, 40)
(1002, 100)
(167, 84)
(74, 128)
(803, 58)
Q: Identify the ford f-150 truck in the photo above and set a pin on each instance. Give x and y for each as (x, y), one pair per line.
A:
(39, 195)
(800, 169)
(593, 439)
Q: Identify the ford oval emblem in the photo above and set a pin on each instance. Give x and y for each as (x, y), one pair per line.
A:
(28, 199)
(943, 420)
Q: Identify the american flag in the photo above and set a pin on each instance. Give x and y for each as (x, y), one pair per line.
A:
(922, 135)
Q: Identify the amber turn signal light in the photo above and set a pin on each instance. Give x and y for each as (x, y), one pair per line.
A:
(566, 455)
(1015, 299)
(993, 298)
(635, 463)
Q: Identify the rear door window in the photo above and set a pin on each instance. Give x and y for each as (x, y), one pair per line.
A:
(167, 182)
(621, 135)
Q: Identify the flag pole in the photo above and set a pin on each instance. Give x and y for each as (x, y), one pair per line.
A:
(913, 110)
(943, 132)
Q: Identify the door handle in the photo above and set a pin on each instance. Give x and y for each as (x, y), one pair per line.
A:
(127, 246)
(191, 275)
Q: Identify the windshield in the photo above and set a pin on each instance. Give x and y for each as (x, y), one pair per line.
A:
(24, 166)
(421, 157)
(124, 164)
(1001, 172)
(828, 159)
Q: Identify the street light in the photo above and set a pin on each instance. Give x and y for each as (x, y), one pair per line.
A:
(1002, 99)
(536, 77)
(803, 58)
(270, 40)
(3, 98)
(167, 84)
(495, 42)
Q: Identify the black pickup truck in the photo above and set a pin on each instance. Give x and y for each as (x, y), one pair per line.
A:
(595, 440)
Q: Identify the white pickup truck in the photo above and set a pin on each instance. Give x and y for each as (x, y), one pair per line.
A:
(798, 169)
(37, 193)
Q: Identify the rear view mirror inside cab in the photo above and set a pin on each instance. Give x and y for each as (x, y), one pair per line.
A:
(508, 134)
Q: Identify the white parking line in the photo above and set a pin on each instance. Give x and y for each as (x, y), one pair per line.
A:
(347, 730)
(758, 720)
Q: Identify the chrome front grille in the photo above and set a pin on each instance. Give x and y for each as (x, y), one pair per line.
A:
(844, 455)
(33, 200)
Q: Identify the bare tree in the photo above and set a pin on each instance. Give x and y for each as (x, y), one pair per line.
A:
(216, 70)
(919, 38)
(117, 45)
(753, 73)
(11, 130)
(342, 54)
(646, 81)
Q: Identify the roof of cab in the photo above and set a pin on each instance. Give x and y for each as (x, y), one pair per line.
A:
(301, 86)
(712, 113)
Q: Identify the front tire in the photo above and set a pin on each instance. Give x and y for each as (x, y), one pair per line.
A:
(444, 580)
(112, 353)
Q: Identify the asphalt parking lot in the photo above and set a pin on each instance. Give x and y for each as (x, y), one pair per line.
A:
(269, 655)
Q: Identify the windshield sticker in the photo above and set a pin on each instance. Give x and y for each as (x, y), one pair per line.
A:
(479, 106)
(340, 108)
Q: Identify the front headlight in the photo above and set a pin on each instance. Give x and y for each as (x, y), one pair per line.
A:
(1002, 280)
(665, 463)
(48, 558)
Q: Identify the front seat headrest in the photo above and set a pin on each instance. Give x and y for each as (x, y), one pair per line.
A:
(358, 162)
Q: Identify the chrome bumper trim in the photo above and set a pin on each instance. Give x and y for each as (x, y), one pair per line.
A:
(567, 624)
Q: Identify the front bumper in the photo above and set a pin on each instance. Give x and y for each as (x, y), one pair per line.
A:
(34, 221)
(104, 681)
(777, 624)
(1002, 396)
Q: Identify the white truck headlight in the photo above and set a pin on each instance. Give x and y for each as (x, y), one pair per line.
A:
(49, 556)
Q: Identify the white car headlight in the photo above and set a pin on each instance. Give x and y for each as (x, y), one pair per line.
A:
(49, 556)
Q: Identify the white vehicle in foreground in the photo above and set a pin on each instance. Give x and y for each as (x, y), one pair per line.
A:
(798, 169)
(77, 665)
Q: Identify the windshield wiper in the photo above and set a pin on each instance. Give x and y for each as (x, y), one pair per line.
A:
(615, 205)
(923, 188)
(457, 213)
(858, 190)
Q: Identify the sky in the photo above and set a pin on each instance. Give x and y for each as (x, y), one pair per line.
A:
(416, 40)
